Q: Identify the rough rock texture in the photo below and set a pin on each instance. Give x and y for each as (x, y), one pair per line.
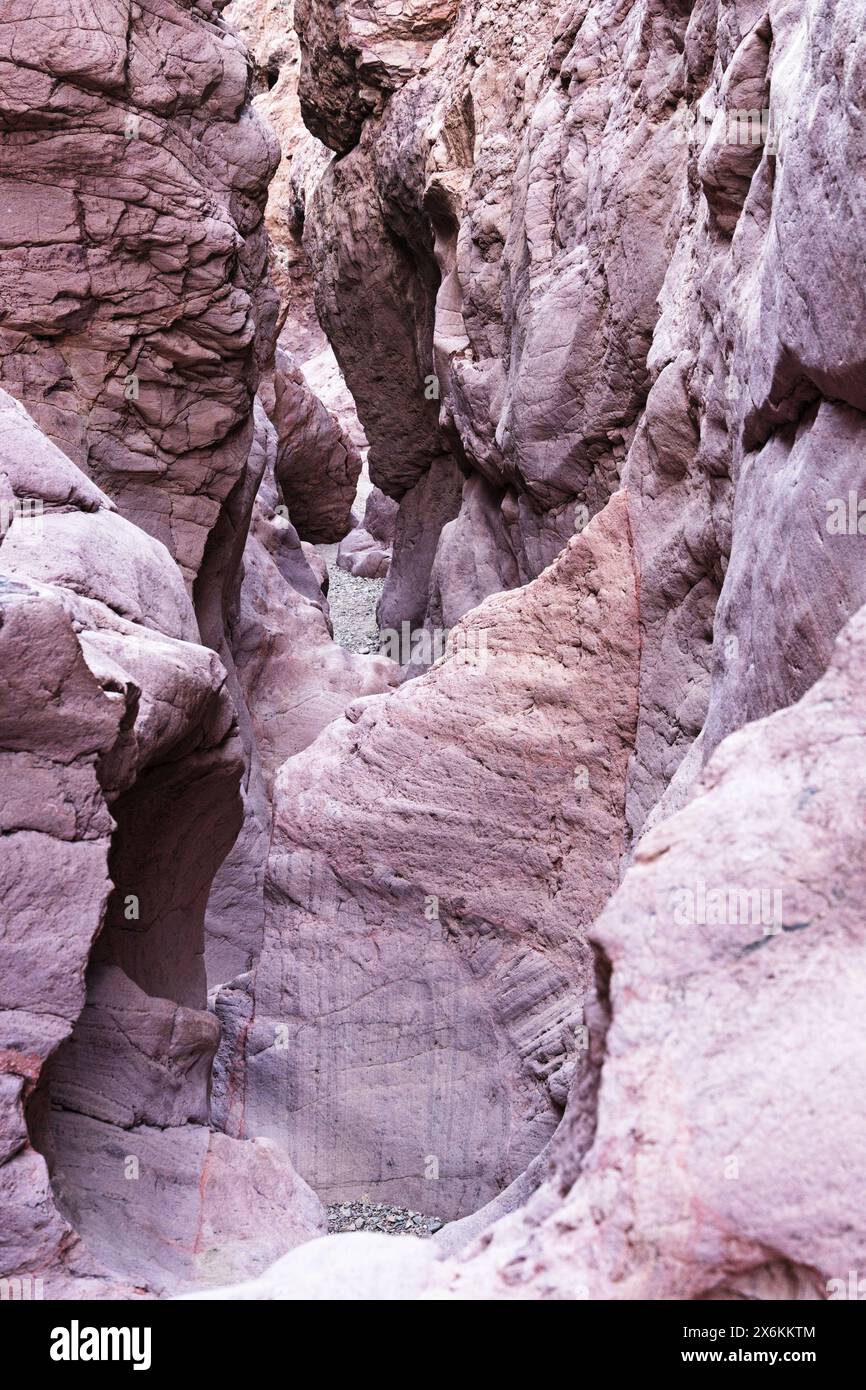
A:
(267, 29)
(492, 256)
(588, 267)
(367, 549)
(266, 26)
(488, 257)
(684, 1193)
(111, 713)
(727, 1159)
(317, 465)
(726, 1151)
(289, 679)
(355, 57)
(136, 320)
(294, 677)
(136, 310)
(415, 1016)
(137, 315)
(754, 423)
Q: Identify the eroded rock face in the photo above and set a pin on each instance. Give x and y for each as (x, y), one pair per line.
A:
(755, 415)
(521, 203)
(112, 712)
(45, 842)
(137, 319)
(295, 679)
(267, 28)
(289, 679)
(368, 548)
(669, 1181)
(563, 304)
(136, 308)
(488, 257)
(727, 1159)
(415, 1017)
(355, 56)
(317, 466)
(710, 944)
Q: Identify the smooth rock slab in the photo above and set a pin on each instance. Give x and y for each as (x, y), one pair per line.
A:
(181, 1206)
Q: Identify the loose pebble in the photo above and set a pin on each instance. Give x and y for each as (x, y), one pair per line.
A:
(378, 1216)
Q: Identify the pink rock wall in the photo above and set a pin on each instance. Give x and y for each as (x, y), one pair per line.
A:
(739, 413)
(137, 317)
(415, 1017)
(136, 309)
(120, 799)
(488, 256)
(569, 924)
(727, 1160)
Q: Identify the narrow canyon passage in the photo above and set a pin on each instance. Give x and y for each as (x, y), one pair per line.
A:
(432, 588)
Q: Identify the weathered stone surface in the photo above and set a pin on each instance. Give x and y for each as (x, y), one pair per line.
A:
(136, 321)
(110, 713)
(53, 869)
(367, 549)
(136, 309)
(317, 465)
(293, 677)
(202, 1209)
(539, 178)
(362, 555)
(590, 268)
(488, 257)
(754, 419)
(437, 855)
(288, 679)
(355, 56)
(424, 510)
(684, 1193)
(134, 1059)
(727, 1159)
(740, 470)
(267, 29)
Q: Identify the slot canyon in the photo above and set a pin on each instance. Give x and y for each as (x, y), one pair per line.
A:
(432, 606)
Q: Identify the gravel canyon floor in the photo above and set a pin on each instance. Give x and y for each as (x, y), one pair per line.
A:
(432, 649)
